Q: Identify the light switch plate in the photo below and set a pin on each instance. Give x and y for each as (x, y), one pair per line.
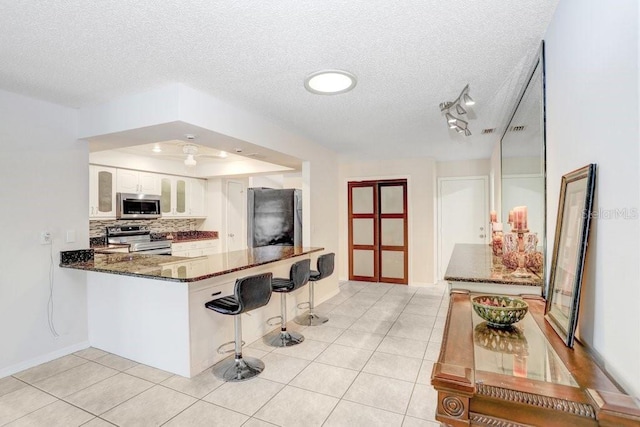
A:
(70, 236)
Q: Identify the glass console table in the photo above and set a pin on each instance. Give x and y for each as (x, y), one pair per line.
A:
(524, 376)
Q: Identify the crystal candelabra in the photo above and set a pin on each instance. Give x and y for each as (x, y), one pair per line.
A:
(521, 271)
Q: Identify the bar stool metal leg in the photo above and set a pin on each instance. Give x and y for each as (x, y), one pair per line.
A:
(310, 318)
(239, 368)
(284, 338)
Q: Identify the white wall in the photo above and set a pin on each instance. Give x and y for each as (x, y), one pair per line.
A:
(593, 117)
(267, 181)
(420, 175)
(476, 167)
(44, 174)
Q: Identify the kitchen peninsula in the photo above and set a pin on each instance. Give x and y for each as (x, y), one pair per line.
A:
(150, 308)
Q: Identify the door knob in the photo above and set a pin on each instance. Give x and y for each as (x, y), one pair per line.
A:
(482, 236)
(481, 228)
(231, 234)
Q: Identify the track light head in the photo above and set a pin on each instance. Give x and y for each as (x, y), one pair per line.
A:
(468, 100)
(450, 118)
(456, 123)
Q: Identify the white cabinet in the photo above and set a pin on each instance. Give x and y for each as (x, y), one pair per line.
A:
(131, 181)
(195, 200)
(195, 248)
(182, 196)
(102, 192)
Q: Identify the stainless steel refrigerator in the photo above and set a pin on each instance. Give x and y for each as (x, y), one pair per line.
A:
(274, 217)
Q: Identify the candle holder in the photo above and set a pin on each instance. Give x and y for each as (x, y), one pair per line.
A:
(521, 271)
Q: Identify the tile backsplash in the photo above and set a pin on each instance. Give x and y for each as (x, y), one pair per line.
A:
(98, 228)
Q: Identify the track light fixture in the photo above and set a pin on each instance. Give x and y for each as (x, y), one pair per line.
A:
(454, 122)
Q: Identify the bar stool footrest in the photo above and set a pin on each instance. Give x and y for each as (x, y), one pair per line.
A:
(221, 351)
(270, 321)
(304, 305)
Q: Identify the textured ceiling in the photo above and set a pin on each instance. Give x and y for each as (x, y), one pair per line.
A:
(408, 57)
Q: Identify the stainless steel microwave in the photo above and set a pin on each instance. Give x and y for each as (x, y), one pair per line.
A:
(137, 206)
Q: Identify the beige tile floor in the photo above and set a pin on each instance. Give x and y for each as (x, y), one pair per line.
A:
(368, 366)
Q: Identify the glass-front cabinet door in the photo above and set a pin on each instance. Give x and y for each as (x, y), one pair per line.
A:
(102, 192)
(166, 196)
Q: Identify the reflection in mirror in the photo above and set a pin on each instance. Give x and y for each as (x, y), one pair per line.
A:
(523, 155)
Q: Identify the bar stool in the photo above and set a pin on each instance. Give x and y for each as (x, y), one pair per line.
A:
(325, 269)
(250, 293)
(298, 277)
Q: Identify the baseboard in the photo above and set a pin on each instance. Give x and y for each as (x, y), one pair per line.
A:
(10, 370)
(420, 284)
(413, 284)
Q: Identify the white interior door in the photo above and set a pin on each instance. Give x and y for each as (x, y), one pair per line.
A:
(463, 215)
(236, 216)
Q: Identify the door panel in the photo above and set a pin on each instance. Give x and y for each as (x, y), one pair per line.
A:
(394, 248)
(362, 199)
(378, 231)
(392, 199)
(463, 216)
(363, 263)
(392, 264)
(236, 217)
(363, 231)
(392, 232)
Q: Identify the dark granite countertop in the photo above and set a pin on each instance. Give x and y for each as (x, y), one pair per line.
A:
(179, 269)
(476, 263)
(190, 236)
(175, 237)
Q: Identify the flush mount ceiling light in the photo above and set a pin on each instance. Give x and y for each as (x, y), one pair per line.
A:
(330, 82)
(190, 150)
(454, 122)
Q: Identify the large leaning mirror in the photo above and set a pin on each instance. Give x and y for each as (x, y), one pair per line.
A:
(523, 155)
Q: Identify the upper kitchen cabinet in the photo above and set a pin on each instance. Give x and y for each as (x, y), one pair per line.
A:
(131, 181)
(102, 192)
(182, 196)
(195, 198)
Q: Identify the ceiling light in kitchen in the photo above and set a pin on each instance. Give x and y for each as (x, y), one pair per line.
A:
(330, 82)
(157, 149)
(190, 150)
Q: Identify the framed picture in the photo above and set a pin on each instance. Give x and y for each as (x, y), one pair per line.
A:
(569, 250)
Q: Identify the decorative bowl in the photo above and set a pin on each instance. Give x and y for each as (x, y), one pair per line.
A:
(500, 311)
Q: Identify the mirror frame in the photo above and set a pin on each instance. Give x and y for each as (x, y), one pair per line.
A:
(539, 61)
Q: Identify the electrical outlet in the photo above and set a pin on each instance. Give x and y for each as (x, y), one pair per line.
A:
(45, 238)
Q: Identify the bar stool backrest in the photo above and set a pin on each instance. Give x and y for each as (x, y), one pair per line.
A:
(253, 291)
(325, 265)
(299, 273)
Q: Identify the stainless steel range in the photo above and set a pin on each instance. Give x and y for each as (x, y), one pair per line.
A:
(138, 237)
